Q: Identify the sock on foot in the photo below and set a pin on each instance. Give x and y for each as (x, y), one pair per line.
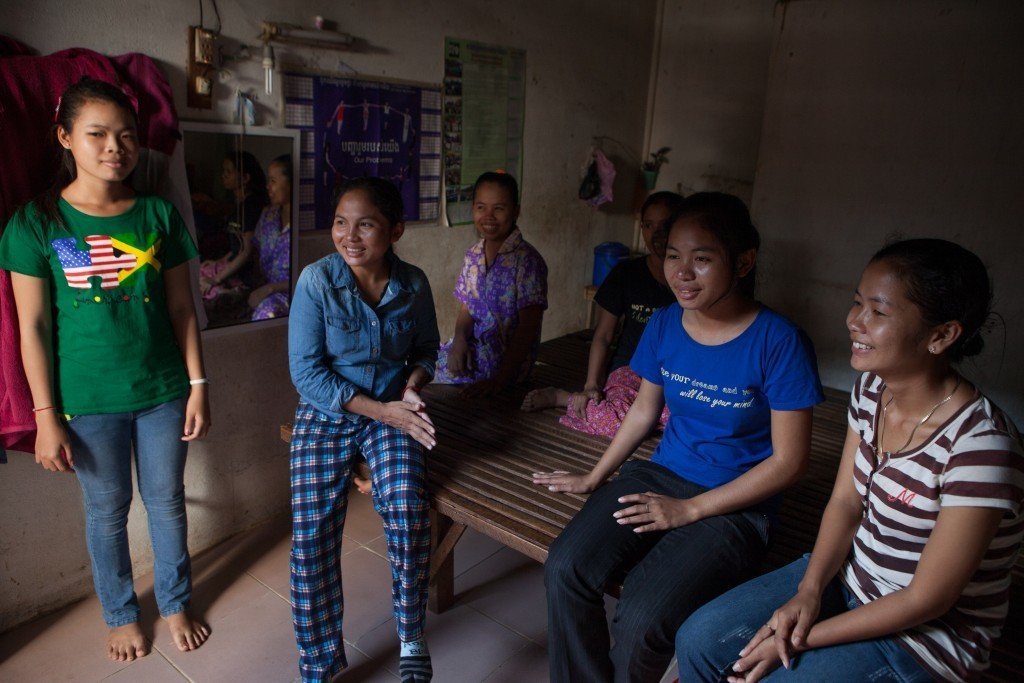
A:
(414, 663)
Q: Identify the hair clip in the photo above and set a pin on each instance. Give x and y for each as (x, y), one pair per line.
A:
(56, 111)
(131, 98)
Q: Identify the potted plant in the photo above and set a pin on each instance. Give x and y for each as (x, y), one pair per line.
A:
(650, 168)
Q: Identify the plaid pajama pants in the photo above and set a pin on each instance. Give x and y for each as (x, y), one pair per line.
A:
(322, 451)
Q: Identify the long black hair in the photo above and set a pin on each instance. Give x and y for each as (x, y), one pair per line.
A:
(68, 108)
(946, 282)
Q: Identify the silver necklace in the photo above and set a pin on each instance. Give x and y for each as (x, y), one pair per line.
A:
(881, 426)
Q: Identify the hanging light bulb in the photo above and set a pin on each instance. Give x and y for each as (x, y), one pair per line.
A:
(268, 68)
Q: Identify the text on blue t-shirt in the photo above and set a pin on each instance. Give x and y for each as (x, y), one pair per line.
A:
(721, 397)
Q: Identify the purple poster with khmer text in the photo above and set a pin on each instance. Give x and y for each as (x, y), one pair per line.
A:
(354, 128)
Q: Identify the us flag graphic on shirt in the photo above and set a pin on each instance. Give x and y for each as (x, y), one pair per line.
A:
(100, 261)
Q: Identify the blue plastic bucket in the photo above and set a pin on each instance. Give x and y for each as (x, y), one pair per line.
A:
(606, 256)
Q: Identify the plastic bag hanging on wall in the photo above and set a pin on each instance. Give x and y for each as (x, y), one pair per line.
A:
(245, 109)
(590, 187)
(596, 187)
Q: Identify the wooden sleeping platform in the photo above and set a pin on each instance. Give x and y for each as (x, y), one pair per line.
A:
(480, 478)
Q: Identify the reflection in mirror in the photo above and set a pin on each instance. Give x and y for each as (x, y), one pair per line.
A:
(242, 198)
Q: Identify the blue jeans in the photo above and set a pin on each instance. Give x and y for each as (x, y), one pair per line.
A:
(708, 644)
(102, 447)
(668, 574)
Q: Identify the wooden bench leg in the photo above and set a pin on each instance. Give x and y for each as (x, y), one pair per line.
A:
(444, 534)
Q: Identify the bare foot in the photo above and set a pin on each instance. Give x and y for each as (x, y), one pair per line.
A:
(361, 477)
(548, 397)
(187, 633)
(127, 643)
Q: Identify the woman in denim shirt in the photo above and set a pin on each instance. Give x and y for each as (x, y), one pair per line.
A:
(362, 340)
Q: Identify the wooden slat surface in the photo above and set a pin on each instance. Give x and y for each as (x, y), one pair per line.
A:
(487, 451)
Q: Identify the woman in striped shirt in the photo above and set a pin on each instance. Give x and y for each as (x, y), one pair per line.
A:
(909, 578)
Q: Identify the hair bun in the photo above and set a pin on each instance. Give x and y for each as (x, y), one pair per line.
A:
(973, 345)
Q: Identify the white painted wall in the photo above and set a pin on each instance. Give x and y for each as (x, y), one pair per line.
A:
(588, 66)
(860, 121)
(887, 118)
(712, 73)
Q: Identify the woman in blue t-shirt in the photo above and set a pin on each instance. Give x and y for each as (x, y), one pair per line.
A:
(740, 381)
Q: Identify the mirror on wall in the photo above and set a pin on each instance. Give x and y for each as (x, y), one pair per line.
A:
(243, 202)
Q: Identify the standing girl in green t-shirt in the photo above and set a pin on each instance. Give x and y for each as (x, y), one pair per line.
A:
(109, 341)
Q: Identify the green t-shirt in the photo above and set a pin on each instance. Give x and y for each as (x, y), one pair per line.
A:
(114, 345)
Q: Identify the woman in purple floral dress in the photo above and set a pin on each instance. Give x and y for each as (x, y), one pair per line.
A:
(272, 243)
(503, 291)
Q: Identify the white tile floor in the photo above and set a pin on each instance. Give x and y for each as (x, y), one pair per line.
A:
(496, 632)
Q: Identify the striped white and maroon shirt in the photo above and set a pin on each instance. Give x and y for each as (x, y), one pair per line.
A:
(975, 459)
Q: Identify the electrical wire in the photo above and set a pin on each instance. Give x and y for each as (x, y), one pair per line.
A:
(216, 13)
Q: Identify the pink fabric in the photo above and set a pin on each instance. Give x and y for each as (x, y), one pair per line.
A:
(29, 89)
(606, 172)
(17, 423)
(158, 119)
(209, 270)
(10, 47)
(605, 417)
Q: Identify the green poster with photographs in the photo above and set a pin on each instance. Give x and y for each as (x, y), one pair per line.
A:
(484, 89)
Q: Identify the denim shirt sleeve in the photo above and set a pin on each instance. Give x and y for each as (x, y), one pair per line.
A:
(424, 350)
(308, 362)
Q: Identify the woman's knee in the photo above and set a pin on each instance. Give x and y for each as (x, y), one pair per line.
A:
(401, 498)
(163, 500)
(405, 494)
(716, 631)
(113, 516)
(689, 640)
(640, 623)
(589, 552)
(567, 568)
(560, 566)
(108, 507)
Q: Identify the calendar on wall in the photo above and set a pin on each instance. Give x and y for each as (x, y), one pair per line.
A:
(484, 107)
